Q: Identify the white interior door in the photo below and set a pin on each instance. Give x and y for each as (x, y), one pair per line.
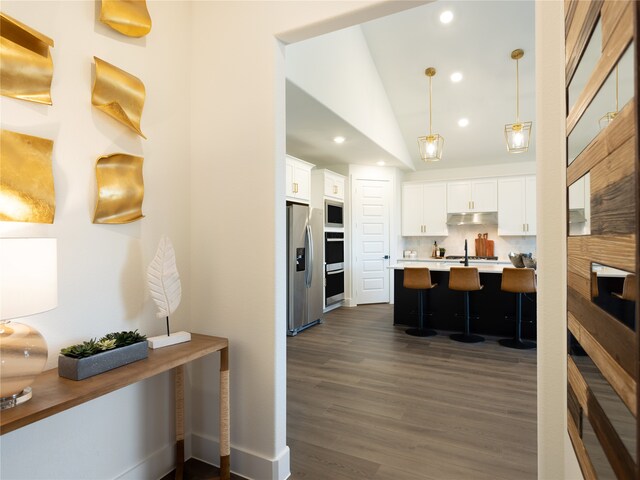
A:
(371, 241)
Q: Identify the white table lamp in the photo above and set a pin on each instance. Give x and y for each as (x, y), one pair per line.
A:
(28, 285)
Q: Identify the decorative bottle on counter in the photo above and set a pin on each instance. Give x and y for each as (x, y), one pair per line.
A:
(434, 251)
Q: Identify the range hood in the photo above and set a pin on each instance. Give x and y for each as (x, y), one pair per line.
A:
(479, 218)
(576, 215)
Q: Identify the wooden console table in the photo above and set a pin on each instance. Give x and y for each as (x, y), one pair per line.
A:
(53, 394)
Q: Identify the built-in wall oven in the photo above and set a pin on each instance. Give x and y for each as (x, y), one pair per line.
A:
(334, 267)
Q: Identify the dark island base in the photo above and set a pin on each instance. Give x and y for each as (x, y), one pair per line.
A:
(446, 307)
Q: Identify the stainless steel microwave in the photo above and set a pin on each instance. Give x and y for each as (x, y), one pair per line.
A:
(333, 214)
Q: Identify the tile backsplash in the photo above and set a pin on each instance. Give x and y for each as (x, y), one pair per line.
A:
(454, 242)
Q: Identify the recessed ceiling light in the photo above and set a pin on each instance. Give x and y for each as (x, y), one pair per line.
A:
(463, 122)
(339, 139)
(446, 16)
(380, 163)
(456, 77)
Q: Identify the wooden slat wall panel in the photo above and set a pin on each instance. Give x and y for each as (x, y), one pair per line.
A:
(623, 383)
(614, 251)
(620, 133)
(584, 17)
(569, 10)
(617, 454)
(613, 194)
(580, 283)
(613, 163)
(612, 12)
(578, 385)
(573, 408)
(586, 466)
(608, 140)
(617, 339)
(636, 54)
(617, 44)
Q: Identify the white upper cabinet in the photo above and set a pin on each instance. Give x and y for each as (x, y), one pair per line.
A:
(530, 204)
(424, 209)
(517, 205)
(472, 196)
(298, 179)
(333, 185)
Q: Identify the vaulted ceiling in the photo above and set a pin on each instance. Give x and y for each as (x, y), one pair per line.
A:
(477, 43)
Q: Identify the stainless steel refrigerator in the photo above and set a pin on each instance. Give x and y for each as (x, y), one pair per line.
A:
(304, 267)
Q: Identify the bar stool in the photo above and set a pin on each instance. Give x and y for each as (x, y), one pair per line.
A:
(419, 278)
(465, 279)
(595, 292)
(518, 281)
(628, 289)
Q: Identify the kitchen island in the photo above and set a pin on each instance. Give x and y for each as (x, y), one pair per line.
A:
(491, 304)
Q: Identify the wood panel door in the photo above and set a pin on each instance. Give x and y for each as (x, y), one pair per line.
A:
(602, 266)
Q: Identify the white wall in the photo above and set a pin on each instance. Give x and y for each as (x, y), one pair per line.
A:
(522, 165)
(556, 459)
(339, 72)
(101, 268)
(238, 227)
(235, 275)
(454, 242)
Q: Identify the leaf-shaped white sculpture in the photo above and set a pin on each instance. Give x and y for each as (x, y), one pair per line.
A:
(164, 280)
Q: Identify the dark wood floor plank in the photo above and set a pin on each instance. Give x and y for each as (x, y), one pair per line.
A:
(367, 401)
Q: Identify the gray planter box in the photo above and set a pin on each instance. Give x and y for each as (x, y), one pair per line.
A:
(81, 368)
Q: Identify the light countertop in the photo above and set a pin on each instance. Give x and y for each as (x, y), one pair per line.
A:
(436, 266)
(445, 260)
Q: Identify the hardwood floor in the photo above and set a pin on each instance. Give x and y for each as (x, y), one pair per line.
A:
(367, 401)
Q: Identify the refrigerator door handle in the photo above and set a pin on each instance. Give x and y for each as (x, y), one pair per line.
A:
(308, 274)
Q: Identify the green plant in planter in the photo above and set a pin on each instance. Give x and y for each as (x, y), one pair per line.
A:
(109, 342)
(122, 339)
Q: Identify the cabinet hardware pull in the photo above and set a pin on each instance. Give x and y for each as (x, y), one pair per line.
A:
(335, 189)
(295, 187)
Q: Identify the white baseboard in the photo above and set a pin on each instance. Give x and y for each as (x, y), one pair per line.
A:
(244, 463)
(156, 465)
(350, 302)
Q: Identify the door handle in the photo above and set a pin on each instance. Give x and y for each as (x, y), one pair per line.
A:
(386, 257)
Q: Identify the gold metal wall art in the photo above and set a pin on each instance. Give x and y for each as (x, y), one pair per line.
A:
(120, 189)
(26, 178)
(26, 68)
(118, 94)
(129, 17)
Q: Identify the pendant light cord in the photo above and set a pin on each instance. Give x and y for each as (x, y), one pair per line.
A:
(517, 91)
(430, 92)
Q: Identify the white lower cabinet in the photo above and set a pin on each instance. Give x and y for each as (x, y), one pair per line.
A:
(517, 205)
(424, 209)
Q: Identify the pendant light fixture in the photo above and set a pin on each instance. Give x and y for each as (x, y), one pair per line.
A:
(430, 145)
(517, 134)
(609, 116)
